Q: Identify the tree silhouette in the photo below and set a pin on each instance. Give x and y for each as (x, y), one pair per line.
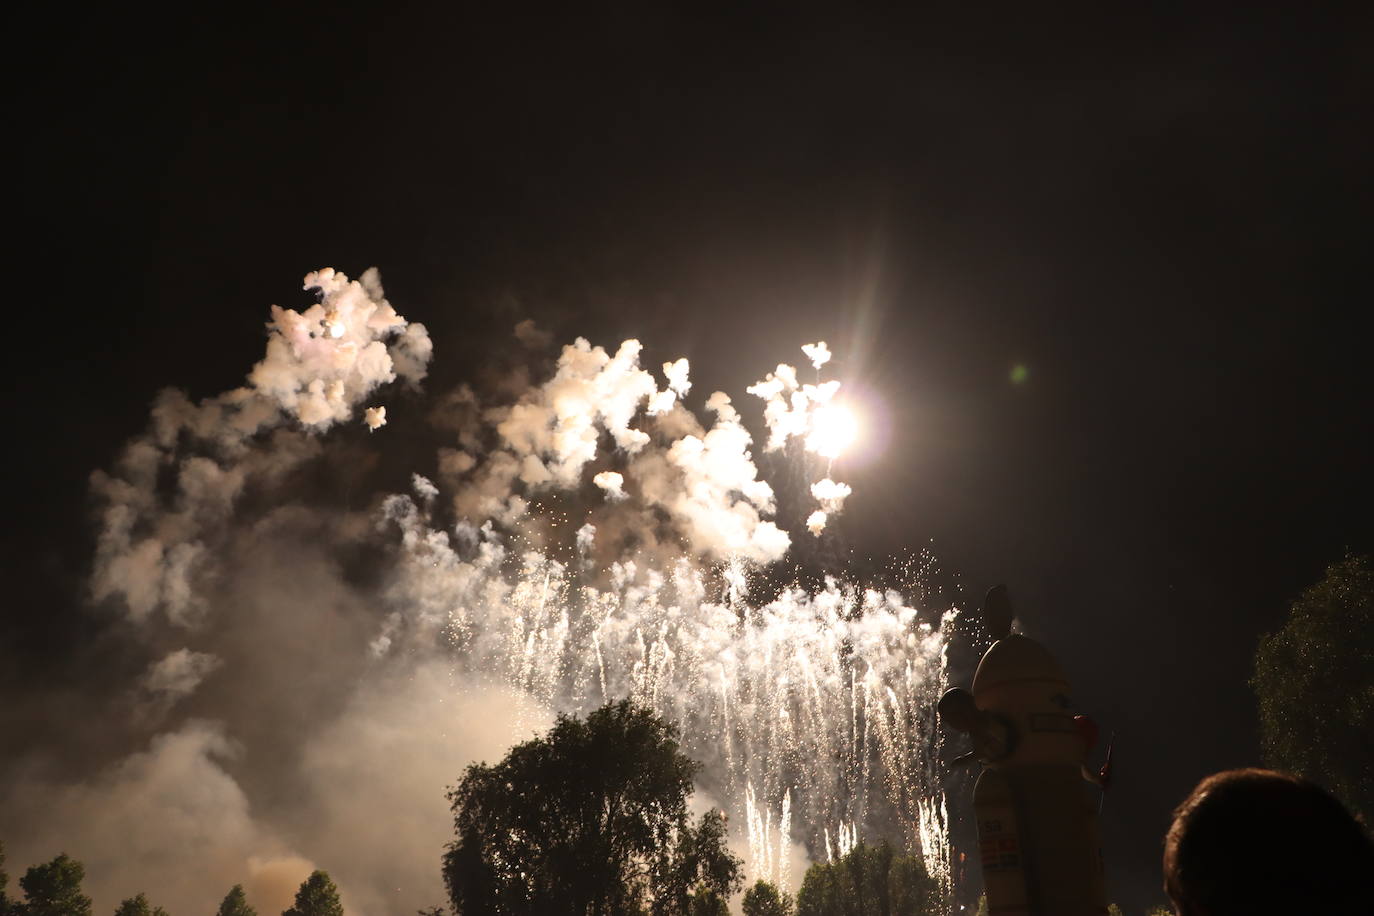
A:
(706, 902)
(764, 899)
(1314, 679)
(869, 881)
(590, 819)
(139, 906)
(54, 889)
(235, 904)
(4, 882)
(317, 897)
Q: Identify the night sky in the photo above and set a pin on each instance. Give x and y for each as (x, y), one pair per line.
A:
(1163, 220)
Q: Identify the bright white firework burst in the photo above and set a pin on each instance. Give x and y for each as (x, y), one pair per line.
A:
(811, 709)
(833, 429)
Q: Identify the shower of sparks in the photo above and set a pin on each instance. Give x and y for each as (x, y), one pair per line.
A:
(813, 712)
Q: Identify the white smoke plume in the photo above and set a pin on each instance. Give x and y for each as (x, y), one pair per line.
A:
(324, 665)
(793, 410)
(319, 365)
(612, 482)
(818, 353)
(676, 373)
(321, 362)
(556, 428)
(830, 495)
(704, 479)
(586, 538)
(713, 468)
(816, 521)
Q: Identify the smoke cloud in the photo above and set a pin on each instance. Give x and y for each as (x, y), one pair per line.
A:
(313, 669)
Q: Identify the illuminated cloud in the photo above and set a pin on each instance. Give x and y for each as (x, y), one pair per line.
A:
(319, 365)
(815, 522)
(321, 362)
(676, 373)
(586, 537)
(830, 495)
(818, 353)
(612, 483)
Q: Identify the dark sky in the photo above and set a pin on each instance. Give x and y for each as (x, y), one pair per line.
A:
(1163, 218)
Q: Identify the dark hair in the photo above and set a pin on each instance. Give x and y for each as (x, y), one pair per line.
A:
(1256, 842)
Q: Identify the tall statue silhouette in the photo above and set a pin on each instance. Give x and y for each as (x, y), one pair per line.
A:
(1037, 817)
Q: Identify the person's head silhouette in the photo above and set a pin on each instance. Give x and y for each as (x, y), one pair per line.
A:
(1256, 842)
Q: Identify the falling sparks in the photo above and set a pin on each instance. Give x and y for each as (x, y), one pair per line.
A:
(811, 711)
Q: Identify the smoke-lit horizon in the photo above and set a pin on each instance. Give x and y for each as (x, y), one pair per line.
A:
(320, 659)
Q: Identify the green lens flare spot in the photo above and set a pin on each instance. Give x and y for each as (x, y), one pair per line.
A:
(1019, 373)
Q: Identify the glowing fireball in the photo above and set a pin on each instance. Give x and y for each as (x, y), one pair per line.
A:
(833, 428)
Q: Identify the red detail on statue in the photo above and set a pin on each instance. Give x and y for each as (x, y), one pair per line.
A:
(1104, 775)
(1087, 729)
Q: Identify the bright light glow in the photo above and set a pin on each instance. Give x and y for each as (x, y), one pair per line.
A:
(336, 329)
(833, 429)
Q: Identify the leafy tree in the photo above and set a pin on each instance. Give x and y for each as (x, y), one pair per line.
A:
(1314, 679)
(706, 902)
(317, 897)
(235, 904)
(869, 881)
(4, 882)
(590, 819)
(139, 906)
(764, 899)
(699, 868)
(54, 889)
(1160, 909)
